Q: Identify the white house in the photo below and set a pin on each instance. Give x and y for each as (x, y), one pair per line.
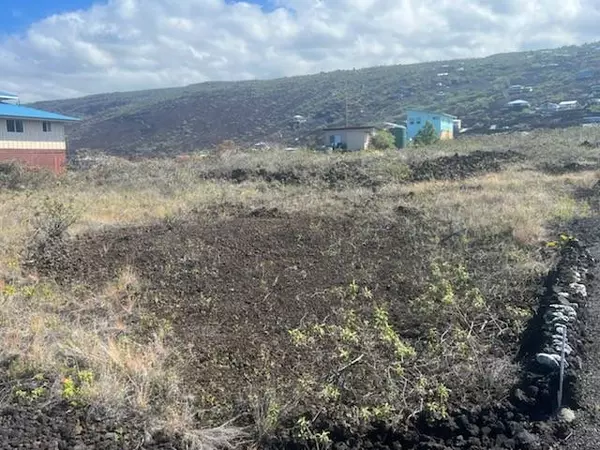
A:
(348, 138)
(568, 105)
(32, 136)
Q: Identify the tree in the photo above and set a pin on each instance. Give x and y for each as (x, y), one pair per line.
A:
(383, 140)
(427, 135)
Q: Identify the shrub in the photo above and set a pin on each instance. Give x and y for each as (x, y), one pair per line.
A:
(16, 176)
(383, 140)
(427, 135)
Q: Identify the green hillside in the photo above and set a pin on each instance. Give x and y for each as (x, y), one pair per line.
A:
(177, 120)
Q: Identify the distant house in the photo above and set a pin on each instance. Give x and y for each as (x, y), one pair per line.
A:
(568, 105)
(348, 138)
(549, 107)
(443, 123)
(518, 105)
(31, 136)
(517, 89)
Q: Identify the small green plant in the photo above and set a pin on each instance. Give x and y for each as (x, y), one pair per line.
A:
(321, 440)
(30, 396)
(74, 387)
(389, 336)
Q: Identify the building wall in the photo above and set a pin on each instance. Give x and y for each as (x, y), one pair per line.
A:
(33, 136)
(354, 139)
(34, 147)
(446, 128)
(417, 119)
(53, 160)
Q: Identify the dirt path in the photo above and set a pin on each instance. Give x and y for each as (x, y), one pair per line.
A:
(586, 433)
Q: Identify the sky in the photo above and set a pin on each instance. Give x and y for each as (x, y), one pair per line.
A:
(69, 48)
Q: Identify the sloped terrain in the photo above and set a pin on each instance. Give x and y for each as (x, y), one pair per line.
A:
(180, 120)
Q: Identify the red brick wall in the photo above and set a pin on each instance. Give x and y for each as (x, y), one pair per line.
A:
(53, 160)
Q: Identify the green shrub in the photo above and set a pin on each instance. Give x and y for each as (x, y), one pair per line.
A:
(383, 140)
(427, 135)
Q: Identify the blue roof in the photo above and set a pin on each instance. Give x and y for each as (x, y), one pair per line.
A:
(8, 95)
(23, 112)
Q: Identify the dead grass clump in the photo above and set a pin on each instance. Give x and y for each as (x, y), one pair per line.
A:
(16, 176)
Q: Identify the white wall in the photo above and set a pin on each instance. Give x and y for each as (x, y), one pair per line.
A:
(354, 139)
(33, 136)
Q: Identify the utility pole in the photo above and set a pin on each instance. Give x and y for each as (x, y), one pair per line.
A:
(346, 95)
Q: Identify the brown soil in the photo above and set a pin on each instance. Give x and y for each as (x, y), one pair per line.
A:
(232, 289)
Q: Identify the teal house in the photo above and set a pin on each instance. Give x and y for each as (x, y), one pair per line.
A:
(443, 123)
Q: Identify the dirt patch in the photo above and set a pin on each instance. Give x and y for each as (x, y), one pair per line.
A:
(234, 290)
(463, 166)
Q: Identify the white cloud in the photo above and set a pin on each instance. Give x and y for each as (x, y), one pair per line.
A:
(139, 44)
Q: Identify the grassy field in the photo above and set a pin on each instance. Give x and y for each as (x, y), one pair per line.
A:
(228, 297)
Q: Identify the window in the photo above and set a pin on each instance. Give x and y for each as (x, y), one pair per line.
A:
(47, 127)
(435, 118)
(14, 126)
(412, 122)
(335, 140)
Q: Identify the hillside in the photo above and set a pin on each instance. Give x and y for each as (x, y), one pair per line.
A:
(176, 120)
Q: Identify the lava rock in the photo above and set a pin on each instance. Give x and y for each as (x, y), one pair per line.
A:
(548, 360)
(527, 439)
(566, 415)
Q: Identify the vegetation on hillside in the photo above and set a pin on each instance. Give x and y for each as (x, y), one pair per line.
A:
(182, 120)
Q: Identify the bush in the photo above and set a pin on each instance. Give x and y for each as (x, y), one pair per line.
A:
(383, 140)
(427, 135)
(16, 176)
(50, 223)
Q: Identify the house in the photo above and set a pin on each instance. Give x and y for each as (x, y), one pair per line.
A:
(443, 123)
(517, 89)
(348, 138)
(518, 105)
(549, 107)
(568, 105)
(32, 136)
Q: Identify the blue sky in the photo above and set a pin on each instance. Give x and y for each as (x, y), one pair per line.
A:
(18, 15)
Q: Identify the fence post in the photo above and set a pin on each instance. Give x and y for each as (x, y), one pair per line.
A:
(561, 376)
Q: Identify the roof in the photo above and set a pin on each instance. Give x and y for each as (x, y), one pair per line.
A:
(8, 96)
(23, 112)
(568, 102)
(416, 111)
(519, 102)
(365, 127)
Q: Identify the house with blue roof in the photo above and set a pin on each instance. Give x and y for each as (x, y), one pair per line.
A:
(32, 136)
(443, 123)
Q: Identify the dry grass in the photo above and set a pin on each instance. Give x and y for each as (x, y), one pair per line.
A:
(60, 332)
(524, 202)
